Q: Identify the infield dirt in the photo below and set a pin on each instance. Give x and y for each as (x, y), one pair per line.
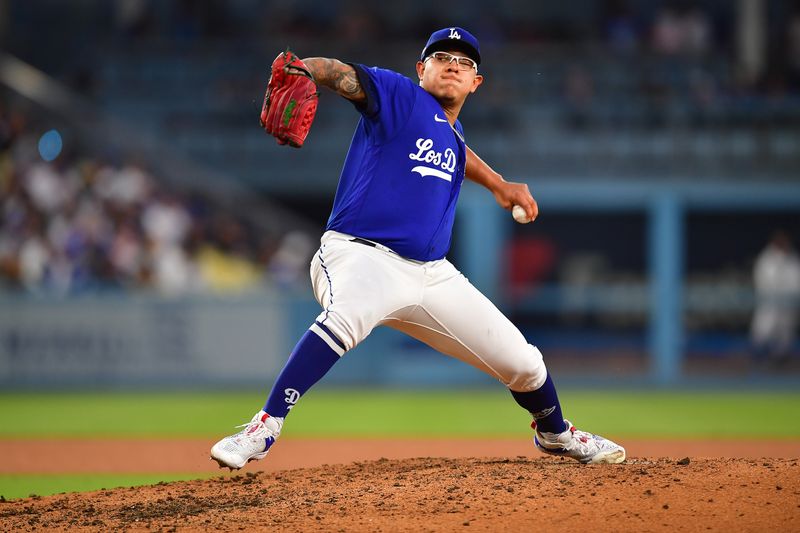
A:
(513, 493)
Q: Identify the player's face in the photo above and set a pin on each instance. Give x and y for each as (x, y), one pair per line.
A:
(447, 81)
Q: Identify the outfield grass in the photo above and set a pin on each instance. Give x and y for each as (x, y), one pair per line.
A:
(25, 485)
(332, 413)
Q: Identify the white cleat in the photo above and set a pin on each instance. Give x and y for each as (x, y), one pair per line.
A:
(250, 444)
(579, 445)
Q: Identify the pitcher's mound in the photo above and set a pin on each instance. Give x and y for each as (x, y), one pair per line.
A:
(436, 494)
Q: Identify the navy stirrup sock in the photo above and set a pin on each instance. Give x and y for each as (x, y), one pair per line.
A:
(310, 360)
(543, 404)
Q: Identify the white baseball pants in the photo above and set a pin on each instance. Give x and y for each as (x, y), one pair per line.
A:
(361, 287)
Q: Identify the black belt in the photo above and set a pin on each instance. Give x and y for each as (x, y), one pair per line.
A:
(371, 244)
(363, 241)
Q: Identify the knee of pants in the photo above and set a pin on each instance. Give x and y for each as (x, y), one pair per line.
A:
(349, 331)
(529, 372)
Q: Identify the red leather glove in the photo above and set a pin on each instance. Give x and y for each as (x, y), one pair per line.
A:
(290, 102)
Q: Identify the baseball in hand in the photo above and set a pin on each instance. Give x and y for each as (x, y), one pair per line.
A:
(519, 214)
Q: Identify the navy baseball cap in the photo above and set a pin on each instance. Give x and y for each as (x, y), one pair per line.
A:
(453, 39)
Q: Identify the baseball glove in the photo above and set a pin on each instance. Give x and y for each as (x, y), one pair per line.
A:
(290, 102)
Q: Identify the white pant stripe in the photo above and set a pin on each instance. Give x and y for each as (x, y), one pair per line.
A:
(325, 337)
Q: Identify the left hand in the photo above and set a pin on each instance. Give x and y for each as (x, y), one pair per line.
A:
(290, 102)
(509, 194)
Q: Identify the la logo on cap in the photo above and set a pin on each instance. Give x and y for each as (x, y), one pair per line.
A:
(454, 34)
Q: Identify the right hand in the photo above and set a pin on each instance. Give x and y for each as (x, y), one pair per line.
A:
(508, 194)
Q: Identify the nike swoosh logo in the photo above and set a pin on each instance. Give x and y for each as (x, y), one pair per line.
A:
(437, 119)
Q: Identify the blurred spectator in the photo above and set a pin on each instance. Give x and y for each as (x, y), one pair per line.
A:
(72, 226)
(174, 273)
(681, 32)
(289, 264)
(34, 258)
(696, 32)
(777, 286)
(49, 189)
(667, 38)
(226, 273)
(620, 28)
(127, 253)
(124, 187)
(165, 221)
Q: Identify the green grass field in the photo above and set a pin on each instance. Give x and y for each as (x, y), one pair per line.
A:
(342, 414)
(24, 485)
(348, 413)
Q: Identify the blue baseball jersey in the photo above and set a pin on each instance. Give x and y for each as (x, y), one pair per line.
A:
(404, 169)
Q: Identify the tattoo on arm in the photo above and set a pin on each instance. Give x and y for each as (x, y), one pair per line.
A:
(337, 76)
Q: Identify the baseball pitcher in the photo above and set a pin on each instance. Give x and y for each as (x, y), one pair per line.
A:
(382, 261)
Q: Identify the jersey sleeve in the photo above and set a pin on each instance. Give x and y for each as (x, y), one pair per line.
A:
(389, 103)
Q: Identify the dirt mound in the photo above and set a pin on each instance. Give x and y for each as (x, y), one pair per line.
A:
(439, 494)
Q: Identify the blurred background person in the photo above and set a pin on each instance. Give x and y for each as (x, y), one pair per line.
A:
(776, 276)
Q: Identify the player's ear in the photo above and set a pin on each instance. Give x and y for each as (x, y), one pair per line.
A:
(476, 82)
(420, 69)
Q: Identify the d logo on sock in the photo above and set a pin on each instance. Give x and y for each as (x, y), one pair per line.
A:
(292, 395)
(543, 413)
